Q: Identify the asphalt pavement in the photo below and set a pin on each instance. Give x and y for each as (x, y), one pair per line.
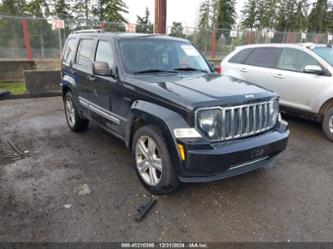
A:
(290, 201)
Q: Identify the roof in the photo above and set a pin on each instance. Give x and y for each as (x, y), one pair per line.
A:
(123, 35)
(308, 45)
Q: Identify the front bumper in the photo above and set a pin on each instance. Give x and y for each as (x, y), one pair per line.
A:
(231, 158)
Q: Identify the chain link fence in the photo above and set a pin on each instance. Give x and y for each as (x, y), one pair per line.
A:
(35, 38)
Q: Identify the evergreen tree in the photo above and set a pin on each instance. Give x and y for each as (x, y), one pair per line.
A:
(143, 24)
(177, 30)
(318, 17)
(13, 7)
(11, 29)
(38, 8)
(299, 20)
(282, 17)
(84, 14)
(226, 13)
(62, 10)
(202, 37)
(267, 14)
(249, 14)
(111, 11)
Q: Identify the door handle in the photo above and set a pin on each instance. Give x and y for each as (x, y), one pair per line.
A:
(243, 70)
(278, 76)
(91, 77)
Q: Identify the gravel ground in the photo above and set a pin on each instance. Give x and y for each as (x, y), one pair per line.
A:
(39, 201)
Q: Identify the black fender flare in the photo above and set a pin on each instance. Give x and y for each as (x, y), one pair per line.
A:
(70, 83)
(166, 119)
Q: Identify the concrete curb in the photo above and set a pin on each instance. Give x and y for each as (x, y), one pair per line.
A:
(29, 95)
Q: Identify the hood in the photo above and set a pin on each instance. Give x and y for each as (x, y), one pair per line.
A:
(198, 90)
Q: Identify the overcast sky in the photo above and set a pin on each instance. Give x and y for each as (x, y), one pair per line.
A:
(185, 11)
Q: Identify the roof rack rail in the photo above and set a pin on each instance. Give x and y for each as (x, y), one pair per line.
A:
(89, 31)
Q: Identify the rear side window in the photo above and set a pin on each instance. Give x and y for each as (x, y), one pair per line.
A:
(69, 51)
(104, 53)
(84, 53)
(240, 56)
(264, 57)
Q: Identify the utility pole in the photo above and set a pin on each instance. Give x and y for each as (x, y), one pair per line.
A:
(160, 16)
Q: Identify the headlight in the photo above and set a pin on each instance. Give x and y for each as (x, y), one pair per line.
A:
(274, 111)
(209, 122)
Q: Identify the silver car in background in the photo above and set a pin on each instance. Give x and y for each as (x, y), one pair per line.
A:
(300, 73)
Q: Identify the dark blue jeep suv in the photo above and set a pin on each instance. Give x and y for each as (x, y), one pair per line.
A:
(182, 121)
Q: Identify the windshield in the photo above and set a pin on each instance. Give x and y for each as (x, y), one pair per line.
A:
(326, 53)
(157, 55)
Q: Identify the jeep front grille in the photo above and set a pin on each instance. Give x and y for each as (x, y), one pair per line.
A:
(247, 120)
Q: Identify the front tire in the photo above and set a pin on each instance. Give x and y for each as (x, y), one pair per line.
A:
(328, 123)
(152, 161)
(74, 121)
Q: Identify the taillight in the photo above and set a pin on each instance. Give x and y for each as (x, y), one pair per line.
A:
(219, 70)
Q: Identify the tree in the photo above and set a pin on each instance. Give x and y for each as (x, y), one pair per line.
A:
(111, 11)
(318, 17)
(143, 24)
(13, 7)
(177, 30)
(226, 13)
(12, 28)
(267, 14)
(62, 10)
(204, 25)
(299, 20)
(84, 14)
(249, 14)
(38, 8)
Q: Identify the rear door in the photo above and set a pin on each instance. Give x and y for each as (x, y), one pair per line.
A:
(83, 68)
(258, 66)
(234, 65)
(297, 89)
(103, 84)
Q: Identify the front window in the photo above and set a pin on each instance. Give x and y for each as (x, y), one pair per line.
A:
(295, 60)
(143, 55)
(326, 53)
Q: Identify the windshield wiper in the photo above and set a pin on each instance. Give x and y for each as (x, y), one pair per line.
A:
(189, 69)
(155, 71)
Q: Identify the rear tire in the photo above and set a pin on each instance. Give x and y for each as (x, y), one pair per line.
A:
(328, 123)
(74, 121)
(152, 161)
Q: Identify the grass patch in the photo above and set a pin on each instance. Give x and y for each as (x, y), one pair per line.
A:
(13, 87)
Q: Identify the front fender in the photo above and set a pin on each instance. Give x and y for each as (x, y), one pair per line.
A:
(166, 119)
(322, 98)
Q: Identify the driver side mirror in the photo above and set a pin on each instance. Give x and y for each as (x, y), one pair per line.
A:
(313, 69)
(102, 68)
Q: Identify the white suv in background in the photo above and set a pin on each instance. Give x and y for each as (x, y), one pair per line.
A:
(300, 73)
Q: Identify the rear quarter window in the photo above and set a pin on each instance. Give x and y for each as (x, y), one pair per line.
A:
(69, 51)
(264, 57)
(84, 53)
(240, 56)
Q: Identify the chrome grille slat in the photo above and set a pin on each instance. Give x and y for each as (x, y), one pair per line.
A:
(260, 118)
(224, 128)
(245, 120)
(240, 117)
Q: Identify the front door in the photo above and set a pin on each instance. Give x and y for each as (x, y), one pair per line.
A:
(296, 88)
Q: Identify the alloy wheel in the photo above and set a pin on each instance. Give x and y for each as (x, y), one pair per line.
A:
(70, 112)
(148, 160)
(330, 124)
